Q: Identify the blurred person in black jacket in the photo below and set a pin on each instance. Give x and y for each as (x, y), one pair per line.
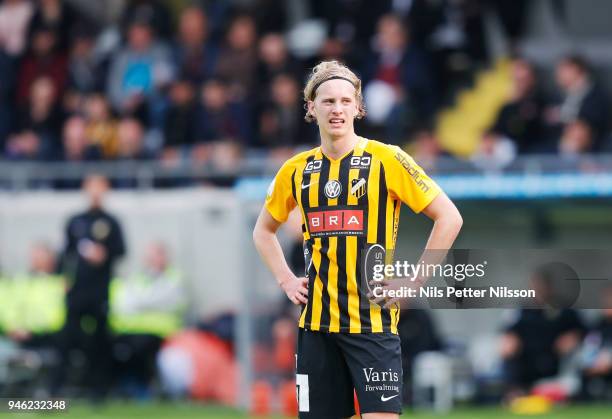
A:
(273, 60)
(399, 88)
(518, 126)
(7, 77)
(43, 59)
(154, 11)
(60, 16)
(37, 124)
(580, 121)
(237, 60)
(537, 340)
(179, 121)
(194, 52)
(352, 22)
(222, 126)
(94, 243)
(520, 119)
(87, 69)
(281, 125)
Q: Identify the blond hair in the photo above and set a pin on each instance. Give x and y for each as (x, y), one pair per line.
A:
(327, 70)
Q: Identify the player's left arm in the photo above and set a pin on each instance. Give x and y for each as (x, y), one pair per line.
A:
(447, 222)
(409, 183)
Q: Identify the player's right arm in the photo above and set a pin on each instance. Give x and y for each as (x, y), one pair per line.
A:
(266, 242)
(279, 203)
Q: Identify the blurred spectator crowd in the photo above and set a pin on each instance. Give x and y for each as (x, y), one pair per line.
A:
(573, 122)
(208, 82)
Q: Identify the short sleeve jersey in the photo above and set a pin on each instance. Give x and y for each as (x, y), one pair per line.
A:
(347, 205)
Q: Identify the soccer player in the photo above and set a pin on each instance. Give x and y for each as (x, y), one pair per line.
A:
(349, 192)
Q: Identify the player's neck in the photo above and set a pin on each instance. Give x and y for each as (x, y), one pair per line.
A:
(336, 147)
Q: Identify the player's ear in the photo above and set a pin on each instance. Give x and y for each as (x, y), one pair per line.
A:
(360, 112)
(311, 109)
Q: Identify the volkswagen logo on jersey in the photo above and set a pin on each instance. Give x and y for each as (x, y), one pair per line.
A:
(333, 189)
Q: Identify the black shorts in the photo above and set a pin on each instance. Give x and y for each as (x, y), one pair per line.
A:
(331, 365)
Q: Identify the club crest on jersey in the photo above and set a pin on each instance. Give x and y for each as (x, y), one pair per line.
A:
(332, 189)
(358, 187)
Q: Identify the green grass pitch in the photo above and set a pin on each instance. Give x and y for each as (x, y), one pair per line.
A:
(117, 410)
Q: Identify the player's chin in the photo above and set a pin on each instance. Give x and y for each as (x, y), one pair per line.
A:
(337, 129)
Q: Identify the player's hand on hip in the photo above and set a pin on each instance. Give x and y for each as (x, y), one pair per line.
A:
(296, 289)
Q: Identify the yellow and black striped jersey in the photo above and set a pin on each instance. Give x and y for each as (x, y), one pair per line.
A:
(347, 204)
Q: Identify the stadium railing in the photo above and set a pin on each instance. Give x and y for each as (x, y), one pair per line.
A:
(526, 177)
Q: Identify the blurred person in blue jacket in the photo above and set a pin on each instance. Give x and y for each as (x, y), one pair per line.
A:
(138, 71)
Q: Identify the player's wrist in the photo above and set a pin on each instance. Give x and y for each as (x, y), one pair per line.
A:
(419, 281)
(284, 280)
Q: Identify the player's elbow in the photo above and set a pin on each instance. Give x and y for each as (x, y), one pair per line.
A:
(457, 221)
(265, 228)
(256, 234)
(453, 220)
(259, 234)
